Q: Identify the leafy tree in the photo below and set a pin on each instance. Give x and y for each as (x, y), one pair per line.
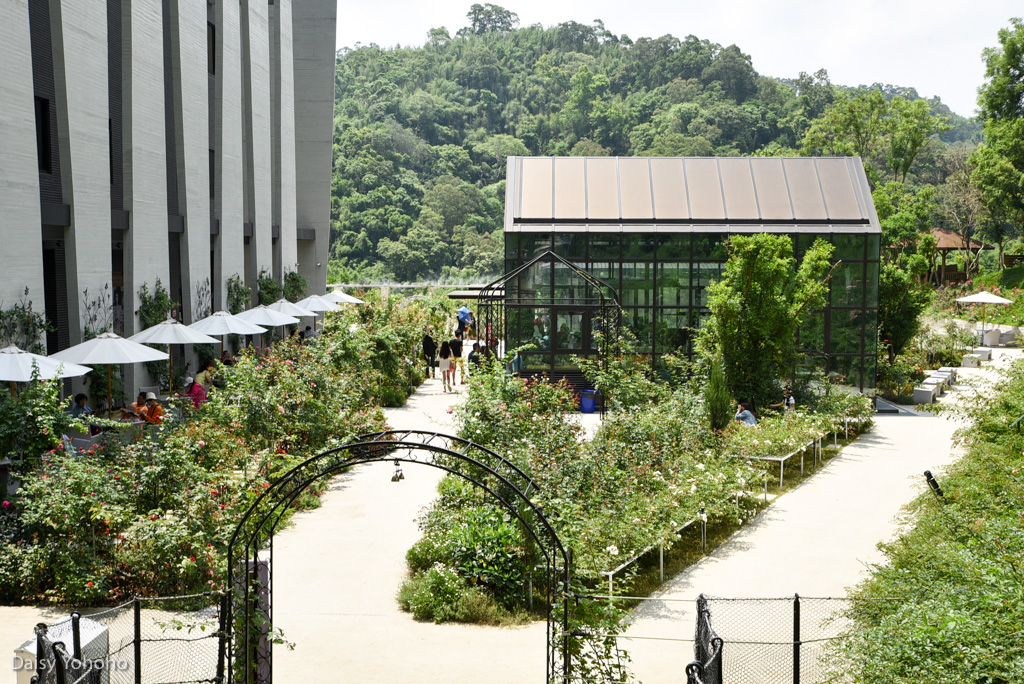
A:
(903, 214)
(960, 201)
(901, 301)
(268, 290)
(852, 125)
(757, 308)
(909, 128)
(487, 18)
(716, 395)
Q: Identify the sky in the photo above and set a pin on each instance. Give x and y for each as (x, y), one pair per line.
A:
(931, 45)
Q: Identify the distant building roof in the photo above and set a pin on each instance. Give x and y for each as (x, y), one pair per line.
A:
(706, 194)
(950, 241)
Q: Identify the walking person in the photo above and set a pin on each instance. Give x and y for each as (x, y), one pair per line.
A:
(429, 353)
(446, 367)
(458, 361)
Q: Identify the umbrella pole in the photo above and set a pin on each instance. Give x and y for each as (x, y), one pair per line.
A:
(110, 403)
(170, 369)
(12, 389)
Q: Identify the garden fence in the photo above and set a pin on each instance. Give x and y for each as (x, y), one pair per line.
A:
(766, 640)
(143, 641)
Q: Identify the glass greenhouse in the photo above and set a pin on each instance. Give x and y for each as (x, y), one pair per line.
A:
(653, 232)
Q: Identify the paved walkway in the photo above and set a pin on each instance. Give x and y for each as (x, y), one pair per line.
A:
(817, 540)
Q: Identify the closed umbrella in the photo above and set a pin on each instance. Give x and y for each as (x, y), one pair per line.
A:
(222, 324)
(171, 332)
(983, 298)
(106, 350)
(17, 365)
(264, 315)
(339, 297)
(286, 307)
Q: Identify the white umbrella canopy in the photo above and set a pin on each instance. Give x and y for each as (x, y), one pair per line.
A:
(17, 365)
(317, 303)
(264, 315)
(108, 349)
(171, 332)
(286, 307)
(339, 297)
(223, 323)
(983, 298)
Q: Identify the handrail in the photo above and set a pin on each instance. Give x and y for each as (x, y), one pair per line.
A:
(1016, 423)
(610, 574)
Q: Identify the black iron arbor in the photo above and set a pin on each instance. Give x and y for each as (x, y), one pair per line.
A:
(249, 618)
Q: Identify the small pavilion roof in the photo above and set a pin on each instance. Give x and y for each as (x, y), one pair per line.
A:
(949, 241)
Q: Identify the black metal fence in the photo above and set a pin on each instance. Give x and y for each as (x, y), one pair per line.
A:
(177, 639)
(766, 640)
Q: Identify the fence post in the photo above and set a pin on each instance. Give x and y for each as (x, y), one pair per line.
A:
(222, 639)
(796, 638)
(76, 635)
(40, 651)
(661, 561)
(704, 528)
(137, 609)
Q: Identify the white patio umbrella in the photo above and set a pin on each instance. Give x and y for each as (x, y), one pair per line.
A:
(286, 307)
(106, 350)
(983, 298)
(264, 315)
(17, 365)
(316, 303)
(339, 297)
(222, 324)
(171, 332)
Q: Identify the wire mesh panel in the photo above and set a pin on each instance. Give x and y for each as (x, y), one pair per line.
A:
(170, 640)
(766, 640)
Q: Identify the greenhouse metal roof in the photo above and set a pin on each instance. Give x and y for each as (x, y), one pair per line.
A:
(680, 194)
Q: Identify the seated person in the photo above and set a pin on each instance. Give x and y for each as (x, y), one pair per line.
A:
(745, 414)
(135, 409)
(80, 408)
(226, 358)
(194, 391)
(154, 411)
(474, 357)
(205, 376)
(788, 403)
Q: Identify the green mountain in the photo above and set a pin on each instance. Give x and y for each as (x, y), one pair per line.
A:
(422, 134)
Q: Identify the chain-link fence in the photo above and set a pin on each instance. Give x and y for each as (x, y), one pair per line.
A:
(168, 640)
(766, 640)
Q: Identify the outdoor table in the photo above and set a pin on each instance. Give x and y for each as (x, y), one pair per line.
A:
(781, 460)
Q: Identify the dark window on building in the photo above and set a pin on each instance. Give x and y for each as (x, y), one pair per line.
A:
(43, 134)
(211, 48)
(213, 167)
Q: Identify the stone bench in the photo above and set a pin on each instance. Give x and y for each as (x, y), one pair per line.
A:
(924, 394)
(983, 353)
(951, 371)
(971, 361)
(938, 383)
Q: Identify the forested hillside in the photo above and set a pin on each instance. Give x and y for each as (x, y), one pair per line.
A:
(422, 134)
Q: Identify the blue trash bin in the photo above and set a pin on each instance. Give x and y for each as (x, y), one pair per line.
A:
(587, 401)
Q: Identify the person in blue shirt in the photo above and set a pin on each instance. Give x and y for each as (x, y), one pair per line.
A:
(745, 414)
(80, 408)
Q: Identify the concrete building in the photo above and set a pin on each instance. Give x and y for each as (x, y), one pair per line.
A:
(173, 140)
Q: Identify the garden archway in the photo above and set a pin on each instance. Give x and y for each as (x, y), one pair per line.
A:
(248, 618)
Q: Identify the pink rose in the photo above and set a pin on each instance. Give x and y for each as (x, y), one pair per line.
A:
(202, 443)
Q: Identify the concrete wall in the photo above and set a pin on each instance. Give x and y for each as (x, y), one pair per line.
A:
(229, 257)
(191, 85)
(313, 33)
(283, 134)
(21, 259)
(145, 153)
(79, 40)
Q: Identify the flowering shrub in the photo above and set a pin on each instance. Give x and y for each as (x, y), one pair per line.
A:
(945, 304)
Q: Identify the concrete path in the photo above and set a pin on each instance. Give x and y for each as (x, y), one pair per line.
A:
(816, 540)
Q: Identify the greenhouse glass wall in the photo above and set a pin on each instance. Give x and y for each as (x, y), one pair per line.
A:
(656, 231)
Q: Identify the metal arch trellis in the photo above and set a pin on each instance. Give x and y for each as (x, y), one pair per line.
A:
(505, 293)
(248, 624)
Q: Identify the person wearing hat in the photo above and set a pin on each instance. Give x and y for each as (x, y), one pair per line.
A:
(194, 391)
(154, 411)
